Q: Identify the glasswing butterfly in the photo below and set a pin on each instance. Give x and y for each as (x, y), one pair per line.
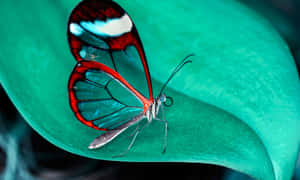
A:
(110, 87)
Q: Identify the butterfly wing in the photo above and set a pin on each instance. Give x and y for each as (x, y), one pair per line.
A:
(102, 31)
(101, 98)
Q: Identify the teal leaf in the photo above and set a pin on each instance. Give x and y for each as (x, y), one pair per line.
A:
(237, 105)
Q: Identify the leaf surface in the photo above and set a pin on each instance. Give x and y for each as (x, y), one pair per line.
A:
(237, 105)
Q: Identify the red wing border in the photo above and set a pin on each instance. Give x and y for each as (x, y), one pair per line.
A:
(101, 98)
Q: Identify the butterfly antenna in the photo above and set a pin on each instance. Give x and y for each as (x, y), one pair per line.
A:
(177, 68)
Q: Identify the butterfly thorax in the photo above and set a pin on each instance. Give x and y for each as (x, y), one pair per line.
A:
(153, 110)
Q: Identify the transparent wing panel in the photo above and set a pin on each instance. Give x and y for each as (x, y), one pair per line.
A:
(130, 66)
(104, 101)
(117, 118)
(102, 56)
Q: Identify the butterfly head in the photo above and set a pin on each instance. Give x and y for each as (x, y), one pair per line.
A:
(155, 107)
(161, 99)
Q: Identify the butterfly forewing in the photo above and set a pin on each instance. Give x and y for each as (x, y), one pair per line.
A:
(101, 100)
(100, 30)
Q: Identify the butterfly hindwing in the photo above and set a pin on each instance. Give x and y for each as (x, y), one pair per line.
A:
(101, 98)
(100, 30)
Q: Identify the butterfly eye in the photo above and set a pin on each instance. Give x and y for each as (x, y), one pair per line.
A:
(169, 101)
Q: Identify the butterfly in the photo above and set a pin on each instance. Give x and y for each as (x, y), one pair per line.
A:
(110, 87)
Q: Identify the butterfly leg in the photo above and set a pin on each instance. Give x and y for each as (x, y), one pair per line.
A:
(166, 133)
(166, 129)
(136, 129)
(132, 141)
(130, 145)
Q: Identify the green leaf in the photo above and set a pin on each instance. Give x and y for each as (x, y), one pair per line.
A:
(237, 105)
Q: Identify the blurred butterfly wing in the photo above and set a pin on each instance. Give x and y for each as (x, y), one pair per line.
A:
(101, 98)
(102, 31)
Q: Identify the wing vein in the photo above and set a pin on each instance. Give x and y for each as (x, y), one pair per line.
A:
(108, 114)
